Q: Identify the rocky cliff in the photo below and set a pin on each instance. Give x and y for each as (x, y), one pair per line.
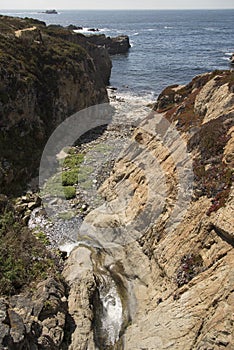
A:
(170, 248)
(43, 80)
(154, 269)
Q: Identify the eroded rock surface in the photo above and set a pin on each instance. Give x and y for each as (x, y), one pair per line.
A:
(181, 270)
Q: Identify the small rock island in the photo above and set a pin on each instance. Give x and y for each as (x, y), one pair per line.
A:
(50, 12)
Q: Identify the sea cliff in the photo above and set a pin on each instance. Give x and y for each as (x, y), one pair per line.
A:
(44, 80)
(155, 267)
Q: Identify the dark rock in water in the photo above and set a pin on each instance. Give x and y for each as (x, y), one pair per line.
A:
(51, 12)
(117, 45)
(232, 59)
(73, 27)
(93, 30)
(112, 88)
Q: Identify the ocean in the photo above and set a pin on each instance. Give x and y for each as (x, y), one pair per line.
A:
(168, 46)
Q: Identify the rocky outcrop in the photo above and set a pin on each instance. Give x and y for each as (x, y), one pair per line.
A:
(176, 256)
(114, 46)
(36, 321)
(44, 79)
(97, 52)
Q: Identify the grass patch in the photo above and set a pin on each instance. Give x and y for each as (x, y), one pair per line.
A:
(69, 192)
(70, 177)
(73, 161)
(54, 187)
(84, 173)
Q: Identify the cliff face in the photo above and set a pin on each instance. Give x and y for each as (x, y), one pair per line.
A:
(176, 257)
(161, 250)
(44, 79)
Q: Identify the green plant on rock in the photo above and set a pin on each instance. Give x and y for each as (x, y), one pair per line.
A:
(69, 192)
(69, 178)
(73, 161)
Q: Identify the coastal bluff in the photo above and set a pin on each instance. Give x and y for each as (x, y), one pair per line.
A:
(45, 78)
(166, 263)
(175, 277)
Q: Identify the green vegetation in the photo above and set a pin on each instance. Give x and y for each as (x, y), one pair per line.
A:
(54, 187)
(63, 183)
(70, 177)
(23, 256)
(73, 160)
(41, 236)
(69, 192)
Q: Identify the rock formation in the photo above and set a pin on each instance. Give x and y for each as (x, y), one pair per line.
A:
(180, 270)
(118, 45)
(154, 269)
(44, 79)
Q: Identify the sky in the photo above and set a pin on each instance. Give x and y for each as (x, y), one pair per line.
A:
(116, 4)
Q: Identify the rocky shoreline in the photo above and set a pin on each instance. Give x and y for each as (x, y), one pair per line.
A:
(154, 276)
(148, 225)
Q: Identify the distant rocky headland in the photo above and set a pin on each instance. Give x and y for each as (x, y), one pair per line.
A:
(167, 282)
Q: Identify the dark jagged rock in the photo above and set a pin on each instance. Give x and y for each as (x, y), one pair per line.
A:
(36, 321)
(118, 45)
(93, 30)
(50, 12)
(73, 27)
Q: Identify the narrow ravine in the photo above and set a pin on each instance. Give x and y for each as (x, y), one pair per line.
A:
(61, 219)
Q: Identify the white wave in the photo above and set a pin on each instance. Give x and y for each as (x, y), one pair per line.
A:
(84, 30)
(144, 97)
(104, 30)
(228, 53)
(226, 58)
(167, 27)
(135, 34)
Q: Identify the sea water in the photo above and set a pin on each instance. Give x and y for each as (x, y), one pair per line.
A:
(168, 46)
